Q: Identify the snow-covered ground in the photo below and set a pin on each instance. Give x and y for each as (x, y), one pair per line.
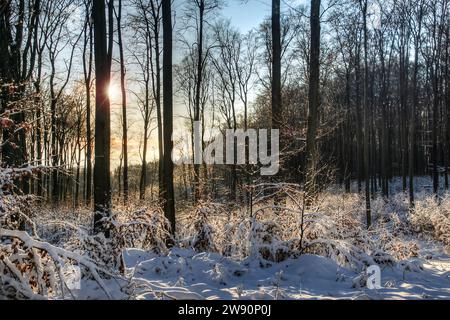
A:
(184, 274)
(223, 253)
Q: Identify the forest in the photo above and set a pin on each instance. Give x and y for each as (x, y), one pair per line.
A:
(224, 149)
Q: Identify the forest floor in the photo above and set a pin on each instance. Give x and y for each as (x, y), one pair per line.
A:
(222, 252)
(184, 274)
(419, 243)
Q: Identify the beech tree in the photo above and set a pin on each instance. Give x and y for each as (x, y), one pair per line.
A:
(314, 84)
(169, 195)
(124, 102)
(276, 65)
(102, 179)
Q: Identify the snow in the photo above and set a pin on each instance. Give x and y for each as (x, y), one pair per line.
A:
(185, 274)
(223, 252)
(58, 255)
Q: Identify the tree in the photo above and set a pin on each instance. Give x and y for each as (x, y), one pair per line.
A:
(201, 8)
(436, 32)
(314, 83)
(226, 63)
(102, 179)
(155, 7)
(124, 103)
(59, 38)
(417, 31)
(403, 48)
(363, 4)
(169, 196)
(245, 68)
(18, 32)
(87, 71)
(276, 65)
(146, 22)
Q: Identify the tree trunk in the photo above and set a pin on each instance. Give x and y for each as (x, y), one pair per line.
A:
(412, 124)
(169, 196)
(313, 118)
(197, 186)
(124, 106)
(87, 69)
(276, 65)
(143, 179)
(102, 179)
(366, 117)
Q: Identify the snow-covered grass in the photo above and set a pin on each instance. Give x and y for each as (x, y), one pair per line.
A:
(274, 249)
(186, 274)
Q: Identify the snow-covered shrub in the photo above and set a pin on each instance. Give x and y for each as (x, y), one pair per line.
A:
(277, 227)
(58, 226)
(15, 210)
(200, 229)
(403, 250)
(144, 229)
(339, 235)
(265, 242)
(432, 218)
(26, 274)
(277, 224)
(31, 269)
(235, 231)
(219, 274)
(106, 252)
(338, 230)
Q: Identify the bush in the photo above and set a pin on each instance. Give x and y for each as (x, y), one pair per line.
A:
(432, 218)
(31, 269)
(15, 212)
(202, 231)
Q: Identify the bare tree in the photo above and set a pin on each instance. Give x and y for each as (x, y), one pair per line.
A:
(59, 39)
(363, 4)
(124, 103)
(417, 34)
(102, 179)
(226, 63)
(313, 116)
(18, 50)
(146, 22)
(87, 72)
(169, 195)
(198, 11)
(245, 70)
(276, 65)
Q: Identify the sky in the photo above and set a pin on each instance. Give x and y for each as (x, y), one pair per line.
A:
(248, 14)
(244, 15)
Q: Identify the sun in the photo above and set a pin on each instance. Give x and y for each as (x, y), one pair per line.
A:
(113, 92)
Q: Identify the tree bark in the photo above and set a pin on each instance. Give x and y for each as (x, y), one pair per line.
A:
(314, 84)
(415, 104)
(276, 65)
(102, 179)
(366, 117)
(124, 105)
(169, 196)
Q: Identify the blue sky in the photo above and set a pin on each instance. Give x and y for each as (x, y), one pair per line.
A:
(248, 15)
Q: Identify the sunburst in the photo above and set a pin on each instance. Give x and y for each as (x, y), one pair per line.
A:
(113, 92)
